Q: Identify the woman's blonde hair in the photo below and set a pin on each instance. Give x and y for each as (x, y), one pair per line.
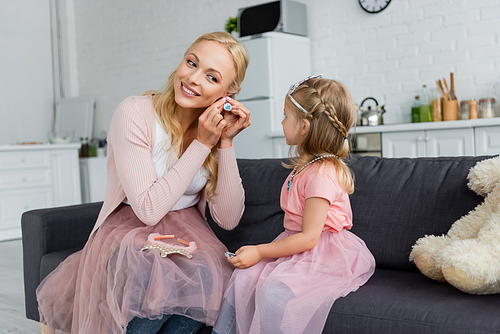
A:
(166, 106)
(331, 113)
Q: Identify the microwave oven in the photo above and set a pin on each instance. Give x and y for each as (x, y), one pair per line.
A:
(283, 16)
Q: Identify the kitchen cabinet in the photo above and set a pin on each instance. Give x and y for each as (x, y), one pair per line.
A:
(428, 143)
(66, 177)
(487, 140)
(93, 177)
(33, 177)
(472, 137)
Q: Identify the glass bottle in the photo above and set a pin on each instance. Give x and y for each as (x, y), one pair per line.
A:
(84, 150)
(415, 110)
(425, 106)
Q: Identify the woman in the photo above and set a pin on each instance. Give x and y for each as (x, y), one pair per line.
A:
(169, 152)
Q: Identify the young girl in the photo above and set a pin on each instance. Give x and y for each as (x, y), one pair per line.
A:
(169, 152)
(289, 285)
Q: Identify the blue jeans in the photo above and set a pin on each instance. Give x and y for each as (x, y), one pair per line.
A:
(226, 322)
(169, 324)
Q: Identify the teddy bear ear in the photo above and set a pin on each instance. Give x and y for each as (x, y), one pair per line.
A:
(484, 176)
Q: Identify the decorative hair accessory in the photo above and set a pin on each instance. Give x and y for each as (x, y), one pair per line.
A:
(294, 173)
(168, 248)
(227, 106)
(294, 87)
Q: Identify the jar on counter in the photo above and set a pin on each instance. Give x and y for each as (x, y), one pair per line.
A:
(487, 108)
(436, 106)
(464, 110)
(472, 109)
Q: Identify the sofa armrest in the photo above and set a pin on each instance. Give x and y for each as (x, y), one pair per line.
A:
(51, 230)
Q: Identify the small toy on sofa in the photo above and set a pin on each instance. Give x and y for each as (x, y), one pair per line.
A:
(468, 256)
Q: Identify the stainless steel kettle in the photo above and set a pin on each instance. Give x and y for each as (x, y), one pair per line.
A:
(371, 116)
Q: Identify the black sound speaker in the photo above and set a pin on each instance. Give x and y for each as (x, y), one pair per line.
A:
(284, 15)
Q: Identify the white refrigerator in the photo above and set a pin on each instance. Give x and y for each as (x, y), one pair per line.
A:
(277, 60)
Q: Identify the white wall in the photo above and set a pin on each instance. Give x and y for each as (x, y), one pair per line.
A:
(413, 42)
(128, 47)
(119, 48)
(131, 46)
(26, 92)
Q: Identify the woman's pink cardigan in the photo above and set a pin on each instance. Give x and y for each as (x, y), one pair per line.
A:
(132, 175)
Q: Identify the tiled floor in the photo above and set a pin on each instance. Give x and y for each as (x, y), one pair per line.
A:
(12, 318)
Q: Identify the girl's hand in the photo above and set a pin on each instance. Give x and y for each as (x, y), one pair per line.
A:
(245, 257)
(211, 124)
(237, 120)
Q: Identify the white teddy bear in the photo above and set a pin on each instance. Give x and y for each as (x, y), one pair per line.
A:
(468, 256)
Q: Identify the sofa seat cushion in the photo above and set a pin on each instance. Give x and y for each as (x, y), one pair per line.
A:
(395, 301)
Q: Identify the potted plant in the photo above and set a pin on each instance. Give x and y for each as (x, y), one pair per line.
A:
(231, 26)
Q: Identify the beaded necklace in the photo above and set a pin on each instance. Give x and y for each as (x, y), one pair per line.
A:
(294, 173)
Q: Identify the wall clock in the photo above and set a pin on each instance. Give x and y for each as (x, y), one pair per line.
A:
(374, 6)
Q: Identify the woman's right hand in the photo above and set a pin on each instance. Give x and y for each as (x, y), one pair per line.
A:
(210, 124)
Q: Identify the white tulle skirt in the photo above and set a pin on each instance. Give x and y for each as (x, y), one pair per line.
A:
(102, 287)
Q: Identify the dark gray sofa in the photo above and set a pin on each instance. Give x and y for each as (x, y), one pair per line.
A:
(396, 201)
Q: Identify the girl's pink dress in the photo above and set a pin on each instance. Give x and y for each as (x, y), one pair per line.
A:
(294, 294)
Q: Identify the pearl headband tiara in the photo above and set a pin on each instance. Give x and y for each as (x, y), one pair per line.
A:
(297, 84)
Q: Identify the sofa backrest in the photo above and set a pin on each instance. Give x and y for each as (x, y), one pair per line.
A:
(395, 202)
(262, 220)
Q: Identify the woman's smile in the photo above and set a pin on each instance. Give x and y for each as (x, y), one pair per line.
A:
(188, 90)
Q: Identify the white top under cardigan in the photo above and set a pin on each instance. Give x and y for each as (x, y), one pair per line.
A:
(164, 159)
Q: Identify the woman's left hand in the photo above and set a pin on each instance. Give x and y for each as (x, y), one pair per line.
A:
(237, 120)
(245, 257)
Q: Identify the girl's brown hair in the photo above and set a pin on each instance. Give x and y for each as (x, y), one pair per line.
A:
(331, 113)
(165, 104)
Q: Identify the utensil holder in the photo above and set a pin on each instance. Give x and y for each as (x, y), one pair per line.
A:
(450, 110)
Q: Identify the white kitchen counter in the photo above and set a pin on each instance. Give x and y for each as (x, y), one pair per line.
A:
(469, 123)
(34, 147)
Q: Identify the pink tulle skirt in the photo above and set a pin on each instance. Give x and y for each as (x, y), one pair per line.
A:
(294, 294)
(102, 287)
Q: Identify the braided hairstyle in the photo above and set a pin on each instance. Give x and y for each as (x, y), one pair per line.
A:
(331, 113)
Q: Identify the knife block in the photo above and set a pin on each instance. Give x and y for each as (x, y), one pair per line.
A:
(450, 110)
